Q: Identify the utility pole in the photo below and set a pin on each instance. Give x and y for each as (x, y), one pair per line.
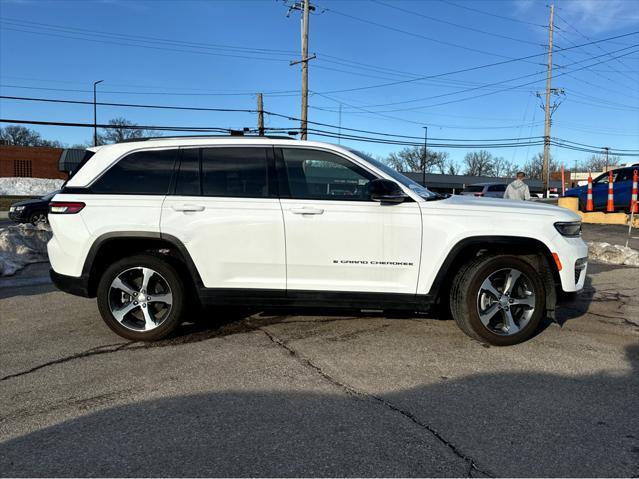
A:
(305, 8)
(260, 115)
(304, 124)
(605, 148)
(546, 165)
(95, 113)
(425, 157)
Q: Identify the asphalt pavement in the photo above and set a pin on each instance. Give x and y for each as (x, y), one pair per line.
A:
(280, 395)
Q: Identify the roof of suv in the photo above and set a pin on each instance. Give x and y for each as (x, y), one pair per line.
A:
(106, 155)
(170, 141)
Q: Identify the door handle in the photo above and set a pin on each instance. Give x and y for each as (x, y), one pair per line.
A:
(307, 211)
(187, 208)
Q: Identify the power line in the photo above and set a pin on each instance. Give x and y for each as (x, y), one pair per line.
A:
(589, 54)
(230, 110)
(446, 22)
(78, 90)
(140, 45)
(558, 142)
(510, 19)
(492, 92)
(144, 38)
(478, 67)
(599, 47)
(417, 35)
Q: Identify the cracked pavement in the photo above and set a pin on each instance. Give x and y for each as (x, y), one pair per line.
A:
(274, 395)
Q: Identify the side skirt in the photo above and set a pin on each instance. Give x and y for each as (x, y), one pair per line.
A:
(265, 298)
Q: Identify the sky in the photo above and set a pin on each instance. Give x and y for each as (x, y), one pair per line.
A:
(391, 66)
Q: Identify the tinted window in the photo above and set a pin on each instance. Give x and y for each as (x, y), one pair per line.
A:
(235, 172)
(474, 188)
(497, 188)
(141, 173)
(623, 175)
(317, 174)
(188, 175)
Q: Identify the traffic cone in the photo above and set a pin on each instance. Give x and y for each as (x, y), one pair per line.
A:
(634, 206)
(610, 207)
(589, 205)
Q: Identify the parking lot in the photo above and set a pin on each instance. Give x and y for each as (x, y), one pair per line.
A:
(281, 395)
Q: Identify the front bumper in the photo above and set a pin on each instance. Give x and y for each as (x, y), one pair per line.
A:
(573, 254)
(78, 286)
(18, 217)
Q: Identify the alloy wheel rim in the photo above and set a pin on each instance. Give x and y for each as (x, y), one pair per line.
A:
(140, 299)
(506, 301)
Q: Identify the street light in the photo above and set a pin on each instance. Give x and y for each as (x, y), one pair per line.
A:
(425, 156)
(95, 114)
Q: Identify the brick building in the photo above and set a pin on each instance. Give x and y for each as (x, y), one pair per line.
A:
(30, 161)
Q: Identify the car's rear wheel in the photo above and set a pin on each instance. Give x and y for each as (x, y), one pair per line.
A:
(141, 298)
(498, 299)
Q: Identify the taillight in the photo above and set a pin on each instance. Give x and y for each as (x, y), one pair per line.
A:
(65, 208)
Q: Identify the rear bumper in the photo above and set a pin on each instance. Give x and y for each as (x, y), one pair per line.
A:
(78, 286)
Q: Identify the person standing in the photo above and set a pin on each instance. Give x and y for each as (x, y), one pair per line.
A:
(518, 190)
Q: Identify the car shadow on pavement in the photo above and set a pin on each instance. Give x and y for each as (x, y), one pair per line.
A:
(502, 424)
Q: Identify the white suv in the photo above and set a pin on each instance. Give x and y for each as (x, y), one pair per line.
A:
(151, 227)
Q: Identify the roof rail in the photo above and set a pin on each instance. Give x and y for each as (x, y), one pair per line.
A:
(231, 135)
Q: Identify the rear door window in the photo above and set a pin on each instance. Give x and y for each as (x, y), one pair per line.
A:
(236, 172)
(140, 173)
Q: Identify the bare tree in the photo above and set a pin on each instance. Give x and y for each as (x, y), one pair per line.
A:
(535, 166)
(479, 163)
(411, 160)
(21, 136)
(120, 129)
(503, 167)
(599, 162)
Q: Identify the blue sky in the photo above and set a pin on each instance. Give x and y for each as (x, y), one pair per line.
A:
(218, 53)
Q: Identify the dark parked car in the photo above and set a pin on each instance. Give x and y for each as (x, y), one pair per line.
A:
(622, 182)
(31, 211)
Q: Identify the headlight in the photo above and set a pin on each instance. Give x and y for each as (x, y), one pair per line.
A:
(571, 229)
(19, 208)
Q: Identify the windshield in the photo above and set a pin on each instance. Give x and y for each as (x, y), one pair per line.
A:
(404, 180)
(474, 188)
(50, 195)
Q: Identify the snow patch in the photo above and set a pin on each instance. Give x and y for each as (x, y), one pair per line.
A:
(28, 186)
(607, 253)
(21, 245)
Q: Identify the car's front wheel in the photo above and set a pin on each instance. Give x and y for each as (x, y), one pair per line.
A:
(38, 217)
(141, 297)
(498, 299)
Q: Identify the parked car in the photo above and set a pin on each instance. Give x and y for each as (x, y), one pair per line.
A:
(488, 190)
(157, 226)
(31, 211)
(622, 188)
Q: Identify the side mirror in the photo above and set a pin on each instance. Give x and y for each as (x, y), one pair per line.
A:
(386, 191)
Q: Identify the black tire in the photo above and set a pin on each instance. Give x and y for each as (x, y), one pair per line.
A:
(38, 217)
(167, 272)
(464, 298)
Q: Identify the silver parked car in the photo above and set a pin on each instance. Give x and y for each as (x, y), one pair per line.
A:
(490, 190)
